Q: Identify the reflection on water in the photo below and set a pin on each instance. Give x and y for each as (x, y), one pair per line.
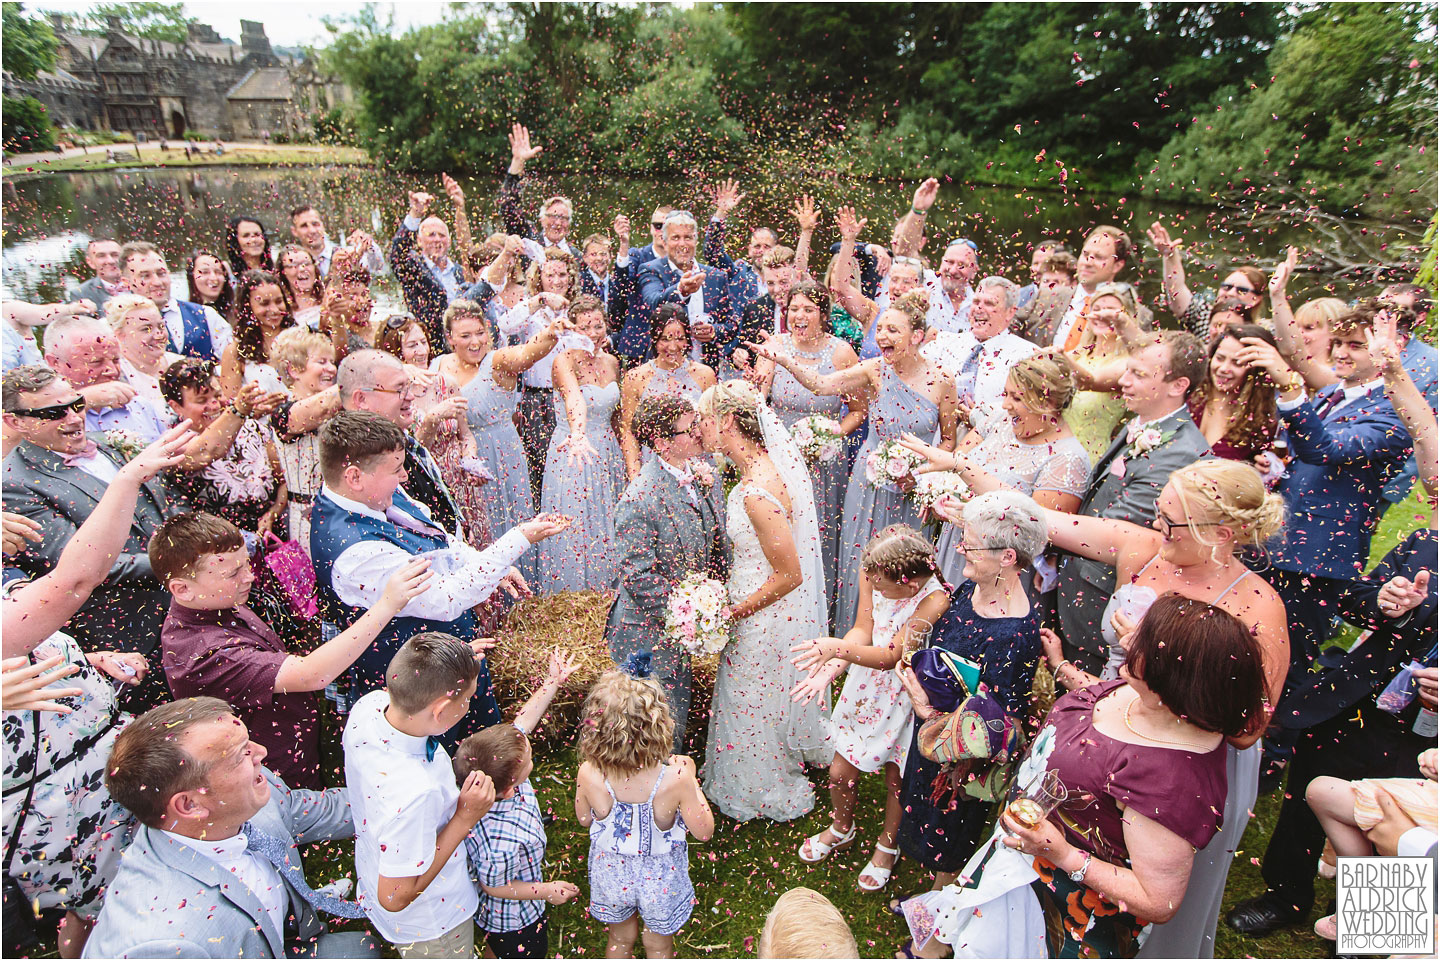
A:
(48, 220)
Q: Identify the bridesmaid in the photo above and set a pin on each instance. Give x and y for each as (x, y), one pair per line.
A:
(304, 288)
(259, 315)
(809, 343)
(207, 282)
(247, 245)
(487, 380)
(906, 394)
(671, 372)
(584, 472)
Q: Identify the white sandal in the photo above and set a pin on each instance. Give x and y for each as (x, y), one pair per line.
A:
(820, 849)
(877, 874)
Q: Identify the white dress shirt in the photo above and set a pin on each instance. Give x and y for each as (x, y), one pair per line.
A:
(519, 325)
(451, 277)
(98, 466)
(254, 872)
(997, 355)
(461, 576)
(1072, 314)
(695, 311)
(401, 802)
(220, 333)
(943, 314)
(372, 260)
(682, 476)
(1351, 394)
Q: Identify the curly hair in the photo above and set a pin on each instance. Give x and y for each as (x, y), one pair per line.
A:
(625, 724)
(532, 278)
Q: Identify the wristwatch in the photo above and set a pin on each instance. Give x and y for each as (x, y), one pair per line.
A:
(1078, 875)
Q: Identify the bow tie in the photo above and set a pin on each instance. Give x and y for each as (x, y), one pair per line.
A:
(431, 743)
(83, 454)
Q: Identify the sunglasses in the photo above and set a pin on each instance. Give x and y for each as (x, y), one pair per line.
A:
(396, 321)
(54, 411)
(657, 225)
(963, 240)
(1238, 288)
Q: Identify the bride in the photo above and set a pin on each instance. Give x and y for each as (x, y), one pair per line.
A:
(758, 737)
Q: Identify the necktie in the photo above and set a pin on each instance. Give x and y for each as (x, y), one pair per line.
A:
(1329, 403)
(431, 743)
(965, 381)
(401, 519)
(277, 852)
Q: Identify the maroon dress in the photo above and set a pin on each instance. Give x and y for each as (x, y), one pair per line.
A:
(1226, 447)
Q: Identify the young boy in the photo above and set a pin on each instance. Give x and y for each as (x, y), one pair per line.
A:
(507, 847)
(410, 818)
(212, 643)
(364, 527)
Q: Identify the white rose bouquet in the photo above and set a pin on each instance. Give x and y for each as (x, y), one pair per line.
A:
(695, 615)
(932, 486)
(818, 438)
(891, 467)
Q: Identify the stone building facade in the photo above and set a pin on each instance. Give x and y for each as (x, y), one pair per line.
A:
(209, 85)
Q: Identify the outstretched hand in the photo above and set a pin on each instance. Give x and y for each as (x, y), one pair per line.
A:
(727, 197)
(850, 225)
(1283, 272)
(1160, 237)
(521, 149)
(806, 214)
(925, 195)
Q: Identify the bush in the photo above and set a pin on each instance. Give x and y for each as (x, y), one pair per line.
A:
(27, 125)
(335, 126)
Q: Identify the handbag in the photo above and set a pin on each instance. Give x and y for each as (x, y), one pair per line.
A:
(946, 677)
(976, 742)
(294, 572)
(19, 918)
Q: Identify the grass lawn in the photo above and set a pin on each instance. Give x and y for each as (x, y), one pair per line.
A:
(740, 872)
(152, 156)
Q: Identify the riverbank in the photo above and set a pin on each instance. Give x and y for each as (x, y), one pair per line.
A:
(132, 156)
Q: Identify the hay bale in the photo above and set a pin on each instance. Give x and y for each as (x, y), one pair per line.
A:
(573, 621)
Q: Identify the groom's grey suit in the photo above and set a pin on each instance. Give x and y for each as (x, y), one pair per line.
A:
(664, 537)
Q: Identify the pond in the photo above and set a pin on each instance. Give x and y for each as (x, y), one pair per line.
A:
(49, 219)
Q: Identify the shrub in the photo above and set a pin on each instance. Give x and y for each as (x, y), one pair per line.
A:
(27, 125)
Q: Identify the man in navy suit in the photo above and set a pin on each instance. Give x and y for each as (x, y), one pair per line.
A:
(679, 278)
(429, 277)
(746, 282)
(556, 213)
(603, 277)
(1347, 444)
(632, 340)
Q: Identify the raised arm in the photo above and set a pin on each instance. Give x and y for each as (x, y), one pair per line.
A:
(1409, 403)
(1315, 370)
(1172, 264)
(853, 381)
(856, 304)
(912, 227)
(521, 357)
(463, 242)
(512, 214)
(808, 217)
(727, 198)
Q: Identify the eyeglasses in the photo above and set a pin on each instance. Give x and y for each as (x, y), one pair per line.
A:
(1238, 288)
(910, 261)
(407, 391)
(396, 321)
(558, 218)
(963, 240)
(657, 225)
(54, 411)
(967, 551)
(1170, 526)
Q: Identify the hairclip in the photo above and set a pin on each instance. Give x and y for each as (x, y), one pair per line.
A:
(637, 665)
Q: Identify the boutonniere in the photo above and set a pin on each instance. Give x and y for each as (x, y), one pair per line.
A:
(702, 473)
(1138, 444)
(126, 443)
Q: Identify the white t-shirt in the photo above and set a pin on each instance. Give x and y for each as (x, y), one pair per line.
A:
(401, 802)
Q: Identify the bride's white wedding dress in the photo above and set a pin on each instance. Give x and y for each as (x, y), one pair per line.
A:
(758, 737)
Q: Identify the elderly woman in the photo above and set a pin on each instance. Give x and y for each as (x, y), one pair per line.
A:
(1243, 287)
(68, 834)
(142, 337)
(1205, 515)
(671, 371)
(991, 622)
(1027, 447)
(1137, 766)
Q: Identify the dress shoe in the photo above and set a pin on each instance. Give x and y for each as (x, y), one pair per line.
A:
(1257, 917)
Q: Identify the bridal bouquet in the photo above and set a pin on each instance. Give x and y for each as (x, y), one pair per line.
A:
(818, 438)
(891, 467)
(932, 486)
(695, 615)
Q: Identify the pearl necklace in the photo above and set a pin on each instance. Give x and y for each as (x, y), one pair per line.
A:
(1149, 737)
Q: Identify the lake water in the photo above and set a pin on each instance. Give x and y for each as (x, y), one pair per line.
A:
(48, 220)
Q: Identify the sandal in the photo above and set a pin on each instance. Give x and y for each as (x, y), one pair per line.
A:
(1326, 929)
(819, 849)
(873, 872)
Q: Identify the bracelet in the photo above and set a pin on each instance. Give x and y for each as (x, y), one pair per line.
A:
(1055, 671)
(236, 411)
(917, 212)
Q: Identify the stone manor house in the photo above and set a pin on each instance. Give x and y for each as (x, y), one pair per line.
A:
(209, 85)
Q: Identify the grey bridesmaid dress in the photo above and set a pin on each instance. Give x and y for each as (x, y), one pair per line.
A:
(508, 500)
(585, 556)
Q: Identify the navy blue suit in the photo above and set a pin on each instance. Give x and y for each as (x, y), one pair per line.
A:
(745, 284)
(621, 283)
(424, 296)
(1342, 462)
(659, 283)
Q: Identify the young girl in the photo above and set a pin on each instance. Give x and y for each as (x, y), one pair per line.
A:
(1347, 809)
(638, 800)
(901, 597)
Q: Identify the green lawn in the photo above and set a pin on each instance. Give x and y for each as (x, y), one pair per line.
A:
(151, 156)
(740, 872)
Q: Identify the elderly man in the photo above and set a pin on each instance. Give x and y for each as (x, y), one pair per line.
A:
(1048, 319)
(980, 359)
(746, 282)
(556, 213)
(56, 476)
(951, 295)
(703, 291)
(85, 352)
(420, 257)
(215, 868)
(102, 255)
(309, 232)
(193, 330)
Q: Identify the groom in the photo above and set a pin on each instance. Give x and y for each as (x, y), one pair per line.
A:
(667, 528)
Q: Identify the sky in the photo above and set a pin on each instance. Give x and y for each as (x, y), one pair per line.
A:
(287, 23)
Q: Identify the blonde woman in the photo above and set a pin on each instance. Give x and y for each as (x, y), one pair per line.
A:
(777, 593)
(1097, 350)
(305, 360)
(141, 333)
(1204, 516)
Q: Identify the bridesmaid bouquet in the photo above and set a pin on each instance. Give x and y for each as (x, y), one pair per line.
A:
(696, 615)
(890, 467)
(818, 438)
(932, 486)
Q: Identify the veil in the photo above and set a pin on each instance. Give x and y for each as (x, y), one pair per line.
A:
(807, 730)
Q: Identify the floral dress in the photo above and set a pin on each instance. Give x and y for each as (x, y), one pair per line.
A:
(239, 487)
(73, 833)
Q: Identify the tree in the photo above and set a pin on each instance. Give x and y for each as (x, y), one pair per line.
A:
(27, 44)
(27, 125)
(144, 18)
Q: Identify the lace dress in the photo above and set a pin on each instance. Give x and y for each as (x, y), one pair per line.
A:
(897, 409)
(586, 556)
(758, 737)
(1062, 466)
(791, 401)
